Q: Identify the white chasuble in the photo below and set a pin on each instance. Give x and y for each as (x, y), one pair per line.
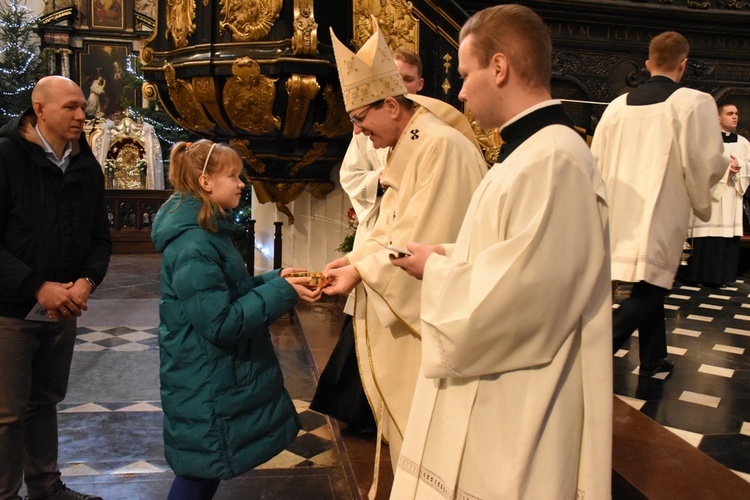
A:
(359, 175)
(515, 396)
(431, 173)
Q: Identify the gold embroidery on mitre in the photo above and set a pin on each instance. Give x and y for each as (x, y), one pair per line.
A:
(368, 76)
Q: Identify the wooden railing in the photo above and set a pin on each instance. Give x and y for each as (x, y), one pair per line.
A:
(131, 213)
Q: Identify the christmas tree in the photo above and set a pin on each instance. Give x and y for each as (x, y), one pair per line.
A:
(20, 64)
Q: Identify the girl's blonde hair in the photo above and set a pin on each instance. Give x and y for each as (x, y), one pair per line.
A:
(189, 161)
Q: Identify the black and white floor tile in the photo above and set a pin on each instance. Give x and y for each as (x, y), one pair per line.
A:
(111, 420)
(119, 338)
(110, 424)
(706, 398)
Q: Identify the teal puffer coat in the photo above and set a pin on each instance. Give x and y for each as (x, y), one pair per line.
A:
(225, 406)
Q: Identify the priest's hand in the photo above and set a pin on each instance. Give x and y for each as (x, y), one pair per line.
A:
(414, 264)
(341, 280)
(734, 165)
(335, 264)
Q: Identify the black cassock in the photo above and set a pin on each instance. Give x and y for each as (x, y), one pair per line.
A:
(340, 393)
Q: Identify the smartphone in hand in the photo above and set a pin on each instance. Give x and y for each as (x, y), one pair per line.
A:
(400, 252)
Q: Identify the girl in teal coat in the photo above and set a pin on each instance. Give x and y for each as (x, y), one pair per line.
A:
(225, 406)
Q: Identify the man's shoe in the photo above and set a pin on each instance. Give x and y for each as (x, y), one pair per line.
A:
(661, 366)
(64, 493)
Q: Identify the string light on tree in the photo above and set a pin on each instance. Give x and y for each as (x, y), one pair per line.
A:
(20, 64)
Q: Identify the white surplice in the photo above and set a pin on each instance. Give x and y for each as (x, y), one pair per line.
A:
(515, 396)
(726, 212)
(651, 190)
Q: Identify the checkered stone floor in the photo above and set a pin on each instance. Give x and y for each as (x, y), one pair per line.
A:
(118, 338)
(706, 399)
(110, 424)
(125, 438)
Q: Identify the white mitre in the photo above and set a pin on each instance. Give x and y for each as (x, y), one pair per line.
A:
(368, 76)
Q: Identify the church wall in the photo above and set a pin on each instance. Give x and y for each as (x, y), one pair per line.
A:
(319, 228)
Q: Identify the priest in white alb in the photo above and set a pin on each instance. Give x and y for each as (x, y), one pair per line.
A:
(660, 153)
(716, 242)
(514, 398)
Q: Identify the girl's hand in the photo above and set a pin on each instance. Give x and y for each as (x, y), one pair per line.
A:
(289, 270)
(304, 292)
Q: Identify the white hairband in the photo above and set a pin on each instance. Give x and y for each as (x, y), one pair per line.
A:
(208, 156)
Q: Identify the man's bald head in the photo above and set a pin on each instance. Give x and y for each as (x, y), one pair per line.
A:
(60, 110)
(49, 85)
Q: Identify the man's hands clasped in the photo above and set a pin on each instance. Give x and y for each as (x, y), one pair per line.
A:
(64, 300)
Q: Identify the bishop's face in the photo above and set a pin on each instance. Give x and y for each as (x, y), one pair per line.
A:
(728, 117)
(376, 122)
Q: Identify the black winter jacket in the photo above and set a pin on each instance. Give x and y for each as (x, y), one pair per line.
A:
(53, 226)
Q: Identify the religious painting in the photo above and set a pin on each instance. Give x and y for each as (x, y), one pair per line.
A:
(102, 79)
(107, 14)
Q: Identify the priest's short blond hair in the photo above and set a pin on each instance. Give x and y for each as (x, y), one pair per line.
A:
(518, 33)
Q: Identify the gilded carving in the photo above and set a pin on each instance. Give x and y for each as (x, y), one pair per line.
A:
(282, 193)
(447, 65)
(310, 156)
(249, 19)
(182, 96)
(150, 92)
(130, 170)
(336, 122)
(734, 4)
(242, 146)
(180, 21)
(697, 5)
(249, 96)
(305, 38)
(301, 90)
(489, 140)
(208, 96)
(395, 19)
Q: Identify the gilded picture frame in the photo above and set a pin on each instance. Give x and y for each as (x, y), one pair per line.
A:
(107, 14)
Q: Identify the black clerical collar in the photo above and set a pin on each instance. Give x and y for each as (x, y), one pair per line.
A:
(662, 79)
(517, 132)
(729, 136)
(656, 89)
